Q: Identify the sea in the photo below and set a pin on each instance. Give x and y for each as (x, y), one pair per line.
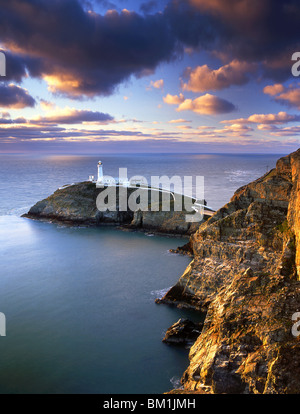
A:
(79, 302)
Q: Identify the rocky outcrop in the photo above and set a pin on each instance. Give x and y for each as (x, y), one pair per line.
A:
(245, 275)
(76, 204)
(183, 332)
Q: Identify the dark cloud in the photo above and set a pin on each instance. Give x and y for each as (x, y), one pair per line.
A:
(15, 66)
(148, 6)
(12, 96)
(264, 31)
(7, 121)
(83, 53)
(32, 132)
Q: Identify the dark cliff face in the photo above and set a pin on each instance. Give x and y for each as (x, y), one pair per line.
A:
(76, 204)
(245, 274)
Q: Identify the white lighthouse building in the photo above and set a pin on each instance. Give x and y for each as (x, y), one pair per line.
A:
(100, 173)
(106, 180)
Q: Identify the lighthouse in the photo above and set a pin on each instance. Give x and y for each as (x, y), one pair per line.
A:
(100, 172)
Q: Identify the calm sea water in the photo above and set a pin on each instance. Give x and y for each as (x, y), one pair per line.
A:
(79, 302)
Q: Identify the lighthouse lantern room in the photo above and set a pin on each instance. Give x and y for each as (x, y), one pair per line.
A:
(100, 172)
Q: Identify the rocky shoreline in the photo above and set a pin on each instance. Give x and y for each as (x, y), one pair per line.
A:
(183, 332)
(245, 276)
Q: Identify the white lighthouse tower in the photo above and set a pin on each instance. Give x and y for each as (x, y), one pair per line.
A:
(100, 173)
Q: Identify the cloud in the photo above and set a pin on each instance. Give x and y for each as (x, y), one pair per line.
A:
(289, 96)
(173, 99)
(183, 127)
(83, 53)
(238, 130)
(253, 31)
(46, 105)
(158, 84)
(31, 132)
(178, 121)
(15, 97)
(7, 121)
(279, 131)
(202, 78)
(279, 118)
(207, 105)
(73, 116)
(15, 66)
(148, 6)
(273, 89)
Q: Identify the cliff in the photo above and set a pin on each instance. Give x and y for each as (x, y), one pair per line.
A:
(245, 276)
(76, 204)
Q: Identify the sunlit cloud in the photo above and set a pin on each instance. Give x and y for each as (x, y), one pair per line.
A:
(289, 96)
(72, 116)
(183, 127)
(178, 121)
(173, 99)
(280, 131)
(206, 105)
(273, 89)
(158, 84)
(279, 118)
(46, 105)
(203, 78)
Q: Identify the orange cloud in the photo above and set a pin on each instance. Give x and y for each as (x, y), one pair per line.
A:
(202, 78)
(286, 95)
(290, 97)
(234, 130)
(46, 105)
(178, 121)
(280, 132)
(280, 118)
(273, 89)
(158, 84)
(183, 127)
(63, 83)
(206, 105)
(173, 99)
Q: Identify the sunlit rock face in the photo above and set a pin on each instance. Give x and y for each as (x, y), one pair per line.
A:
(245, 275)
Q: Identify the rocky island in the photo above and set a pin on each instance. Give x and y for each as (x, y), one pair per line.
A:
(76, 204)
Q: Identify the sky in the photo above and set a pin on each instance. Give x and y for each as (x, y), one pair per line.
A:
(156, 76)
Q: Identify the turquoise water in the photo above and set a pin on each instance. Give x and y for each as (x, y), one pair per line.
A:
(79, 302)
(80, 311)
